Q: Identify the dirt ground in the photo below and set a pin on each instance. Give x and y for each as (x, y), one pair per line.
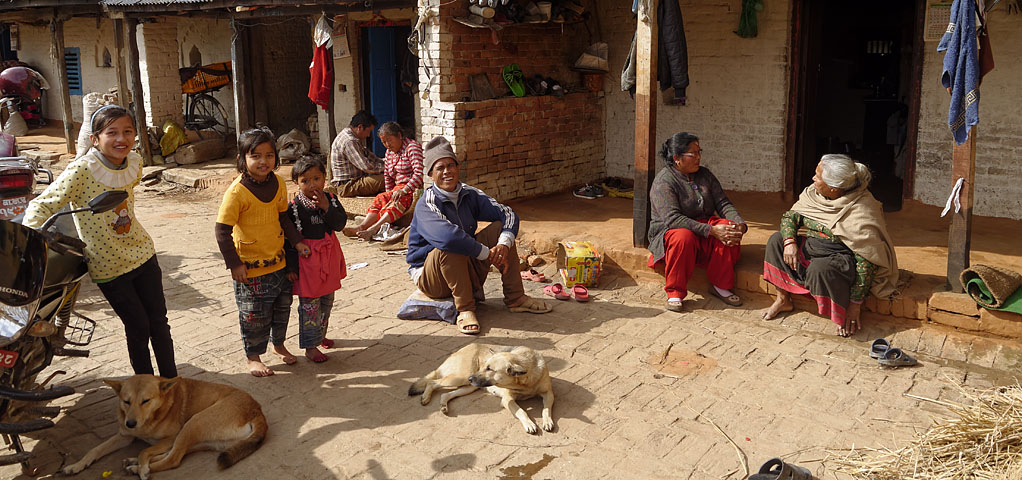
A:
(640, 392)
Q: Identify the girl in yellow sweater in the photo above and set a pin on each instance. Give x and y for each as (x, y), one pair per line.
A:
(250, 230)
(121, 256)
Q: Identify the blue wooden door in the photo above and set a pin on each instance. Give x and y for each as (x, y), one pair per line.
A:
(382, 80)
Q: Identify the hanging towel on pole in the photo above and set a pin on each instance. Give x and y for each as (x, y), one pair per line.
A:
(673, 51)
(321, 72)
(961, 74)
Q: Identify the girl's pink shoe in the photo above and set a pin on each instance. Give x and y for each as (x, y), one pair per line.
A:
(581, 293)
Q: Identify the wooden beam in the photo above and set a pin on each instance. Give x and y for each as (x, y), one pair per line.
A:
(57, 44)
(123, 95)
(963, 165)
(914, 98)
(136, 91)
(242, 112)
(645, 123)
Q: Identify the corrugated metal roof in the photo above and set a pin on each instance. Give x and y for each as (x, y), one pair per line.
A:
(151, 2)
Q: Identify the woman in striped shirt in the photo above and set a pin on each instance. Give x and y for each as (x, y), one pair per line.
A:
(402, 174)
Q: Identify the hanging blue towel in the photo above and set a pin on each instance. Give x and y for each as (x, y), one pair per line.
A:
(961, 69)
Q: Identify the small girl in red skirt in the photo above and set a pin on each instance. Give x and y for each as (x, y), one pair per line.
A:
(317, 215)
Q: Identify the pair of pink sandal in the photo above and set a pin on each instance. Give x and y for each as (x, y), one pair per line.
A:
(557, 291)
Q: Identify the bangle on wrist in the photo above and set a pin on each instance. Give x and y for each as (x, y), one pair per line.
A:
(789, 241)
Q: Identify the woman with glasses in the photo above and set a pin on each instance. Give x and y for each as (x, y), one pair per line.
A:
(687, 228)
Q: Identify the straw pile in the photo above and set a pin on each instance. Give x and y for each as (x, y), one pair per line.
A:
(981, 440)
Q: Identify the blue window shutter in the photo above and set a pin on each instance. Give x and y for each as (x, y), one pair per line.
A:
(73, 63)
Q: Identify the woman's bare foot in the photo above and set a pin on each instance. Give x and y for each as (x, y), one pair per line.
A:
(349, 231)
(315, 355)
(327, 343)
(368, 233)
(257, 368)
(285, 355)
(781, 304)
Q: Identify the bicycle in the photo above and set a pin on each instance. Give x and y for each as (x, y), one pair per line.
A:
(203, 111)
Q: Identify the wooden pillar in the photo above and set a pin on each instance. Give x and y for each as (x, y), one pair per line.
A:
(960, 233)
(136, 91)
(242, 112)
(57, 44)
(123, 94)
(645, 124)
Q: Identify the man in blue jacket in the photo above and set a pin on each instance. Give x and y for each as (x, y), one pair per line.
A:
(445, 254)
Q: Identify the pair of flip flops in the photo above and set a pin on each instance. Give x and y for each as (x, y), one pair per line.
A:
(777, 469)
(557, 291)
(890, 356)
(513, 76)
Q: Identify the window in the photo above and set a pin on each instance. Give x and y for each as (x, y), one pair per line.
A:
(73, 63)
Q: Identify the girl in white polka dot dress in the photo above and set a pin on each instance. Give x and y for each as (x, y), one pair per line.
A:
(120, 254)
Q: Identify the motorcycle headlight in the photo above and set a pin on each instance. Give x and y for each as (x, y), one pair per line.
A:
(13, 321)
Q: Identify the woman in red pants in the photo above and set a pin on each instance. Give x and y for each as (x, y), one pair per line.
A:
(687, 229)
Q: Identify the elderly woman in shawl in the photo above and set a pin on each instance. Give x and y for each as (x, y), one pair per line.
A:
(833, 245)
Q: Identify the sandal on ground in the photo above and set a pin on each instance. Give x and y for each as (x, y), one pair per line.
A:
(777, 469)
(879, 348)
(581, 293)
(732, 300)
(531, 305)
(675, 305)
(467, 320)
(894, 357)
(557, 291)
(533, 276)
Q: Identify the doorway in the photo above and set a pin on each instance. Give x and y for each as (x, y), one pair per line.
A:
(386, 65)
(854, 83)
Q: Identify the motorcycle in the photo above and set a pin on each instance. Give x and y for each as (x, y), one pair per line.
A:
(41, 272)
(21, 93)
(18, 176)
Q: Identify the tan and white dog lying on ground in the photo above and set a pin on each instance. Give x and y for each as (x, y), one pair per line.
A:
(511, 373)
(178, 416)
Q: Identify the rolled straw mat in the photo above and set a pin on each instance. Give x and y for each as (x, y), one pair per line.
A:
(993, 287)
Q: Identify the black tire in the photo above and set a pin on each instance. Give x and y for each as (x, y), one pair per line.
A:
(206, 113)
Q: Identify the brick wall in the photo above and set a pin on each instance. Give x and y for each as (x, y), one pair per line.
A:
(212, 38)
(158, 62)
(999, 142)
(81, 33)
(736, 100)
(512, 147)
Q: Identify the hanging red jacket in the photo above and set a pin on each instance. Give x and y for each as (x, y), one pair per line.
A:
(321, 72)
(321, 79)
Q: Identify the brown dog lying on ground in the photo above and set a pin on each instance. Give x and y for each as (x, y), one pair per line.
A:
(179, 416)
(511, 373)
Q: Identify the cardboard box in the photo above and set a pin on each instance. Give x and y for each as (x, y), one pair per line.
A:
(578, 263)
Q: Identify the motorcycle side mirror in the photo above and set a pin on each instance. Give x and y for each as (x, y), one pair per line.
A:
(103, 202)
(107, 201)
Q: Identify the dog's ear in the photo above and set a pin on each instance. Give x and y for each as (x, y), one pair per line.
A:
(516, 370)
(167, 384)
(114, 384)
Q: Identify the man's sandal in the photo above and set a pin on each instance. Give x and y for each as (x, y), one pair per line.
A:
(466, 320)
(531, 305)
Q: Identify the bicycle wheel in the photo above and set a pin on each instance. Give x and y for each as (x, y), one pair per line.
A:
(206, 113)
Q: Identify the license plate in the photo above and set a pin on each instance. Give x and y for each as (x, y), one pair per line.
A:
(13, 206)
(8, 358)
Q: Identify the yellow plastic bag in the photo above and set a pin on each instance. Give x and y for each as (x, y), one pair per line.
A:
(173, 137)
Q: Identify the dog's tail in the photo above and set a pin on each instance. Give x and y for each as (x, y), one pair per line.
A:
(420, 385)
(245, 446)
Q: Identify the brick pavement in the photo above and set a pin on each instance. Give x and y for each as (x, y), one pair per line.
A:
(780, 388)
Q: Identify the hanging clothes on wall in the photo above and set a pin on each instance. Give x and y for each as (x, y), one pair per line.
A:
(321, 72)
(673, 59)
(672, 54)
